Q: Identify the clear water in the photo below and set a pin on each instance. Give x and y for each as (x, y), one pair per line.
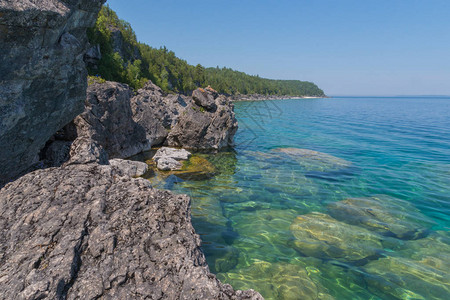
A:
(396, 150)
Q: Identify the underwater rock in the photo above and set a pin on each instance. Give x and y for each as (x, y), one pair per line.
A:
(321, 236)
(315, 161)
(196, 168)
(213, 229)
(263, 234)
(277, 281)
(404, 278)
(383, 214)
(288, 181)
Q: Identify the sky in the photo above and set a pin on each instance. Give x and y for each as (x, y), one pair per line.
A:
(346, 47)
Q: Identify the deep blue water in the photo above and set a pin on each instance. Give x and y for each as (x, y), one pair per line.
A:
(277, 219)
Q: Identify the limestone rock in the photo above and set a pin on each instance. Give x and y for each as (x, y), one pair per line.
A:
(210, 125)
(156, 111)
(205, 99)
(168, 164)
(383, 214)
(108, 120)
(85, 232)
(404, 278)
(42, 74)
(168, 158)
(57, 153)
(321, 236)
(278, 281)
(85, 150)
(177, 154)
(315, 161)
(129, 167)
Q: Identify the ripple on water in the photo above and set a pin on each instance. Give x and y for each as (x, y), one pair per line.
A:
(355, 218)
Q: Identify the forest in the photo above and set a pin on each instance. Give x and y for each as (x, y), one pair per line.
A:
(126, 60)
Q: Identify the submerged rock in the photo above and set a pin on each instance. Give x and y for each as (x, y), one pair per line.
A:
(419, 272)
(321, 236)
(263, 234)
(403, 278)
(85, 232)
(195, 168)
(42, 74)
(315, 161)
(207, 123)
(383, 214)
(277, 281)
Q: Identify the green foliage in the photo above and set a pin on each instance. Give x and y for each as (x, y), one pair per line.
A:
(126, 60)
(95, 79)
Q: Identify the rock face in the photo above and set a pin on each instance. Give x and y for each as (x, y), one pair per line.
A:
(85, 232)
(156, 111)
(207, 123)
(42, 74)
(107, 120)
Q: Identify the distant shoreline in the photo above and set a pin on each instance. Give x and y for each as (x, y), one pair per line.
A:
(236, 98)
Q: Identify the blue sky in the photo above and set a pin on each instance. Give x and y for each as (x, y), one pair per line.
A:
(347, 47)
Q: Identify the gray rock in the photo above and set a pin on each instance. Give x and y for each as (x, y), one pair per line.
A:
(168, 158)
(177, 154)
(156, 111)
(93, 56)
(168, 164)
(107, 119)
(129, 167)
(85, 150)
(42, 74)
(205, 99)
(57, 153)
(205, 127)
(85, 232)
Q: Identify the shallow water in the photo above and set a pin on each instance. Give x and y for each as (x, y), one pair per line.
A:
(278, 219)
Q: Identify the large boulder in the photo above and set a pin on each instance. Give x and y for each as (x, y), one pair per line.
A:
(42, 74)
(207, 123)
(85, 232)
(314, 161)
(319, 235)
(156, 111)
(384, 214)
(108, 120)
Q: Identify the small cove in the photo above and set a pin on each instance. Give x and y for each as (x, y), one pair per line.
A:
(363, 213)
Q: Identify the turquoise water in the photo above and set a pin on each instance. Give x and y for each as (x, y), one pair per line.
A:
(367, 216)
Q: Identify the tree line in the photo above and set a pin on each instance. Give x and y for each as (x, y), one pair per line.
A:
(126, 60)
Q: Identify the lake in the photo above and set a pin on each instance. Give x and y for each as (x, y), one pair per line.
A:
(337, 198)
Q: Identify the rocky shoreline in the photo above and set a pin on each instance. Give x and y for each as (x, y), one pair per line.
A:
(84, 228)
